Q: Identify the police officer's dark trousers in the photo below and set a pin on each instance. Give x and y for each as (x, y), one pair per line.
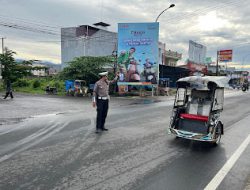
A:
(102, 111)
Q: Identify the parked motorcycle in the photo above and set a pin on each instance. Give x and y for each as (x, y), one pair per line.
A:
(244, 87)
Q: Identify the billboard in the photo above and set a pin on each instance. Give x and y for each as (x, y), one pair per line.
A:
(138, 53)
(197, 52)
(225, 55)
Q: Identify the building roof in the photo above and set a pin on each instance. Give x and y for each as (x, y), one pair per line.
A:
(101, 24)
(86, 30)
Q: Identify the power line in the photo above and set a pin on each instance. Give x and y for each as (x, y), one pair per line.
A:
(196, 12)
(28, 21)
(43, 28)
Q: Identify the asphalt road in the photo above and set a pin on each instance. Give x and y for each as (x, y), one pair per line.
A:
(49, 143)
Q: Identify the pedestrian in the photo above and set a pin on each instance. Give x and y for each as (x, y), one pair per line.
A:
(101, 100)
(8, 90)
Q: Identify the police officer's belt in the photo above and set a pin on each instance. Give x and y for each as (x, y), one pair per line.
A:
(102, 98)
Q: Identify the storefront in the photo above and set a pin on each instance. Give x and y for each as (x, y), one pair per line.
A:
(195, 69)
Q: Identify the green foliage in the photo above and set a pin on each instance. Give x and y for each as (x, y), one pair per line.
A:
(36, 84)
(1, 86)
(21, 83)
(59, 84)
(8, 63)
(85, 68)
(13, 70)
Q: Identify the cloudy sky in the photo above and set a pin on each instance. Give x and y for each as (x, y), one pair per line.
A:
(31, 28)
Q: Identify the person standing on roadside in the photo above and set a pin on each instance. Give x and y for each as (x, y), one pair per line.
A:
(8, 90)
(101, 100)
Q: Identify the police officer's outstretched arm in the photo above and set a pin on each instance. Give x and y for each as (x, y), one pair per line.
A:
(116, 78)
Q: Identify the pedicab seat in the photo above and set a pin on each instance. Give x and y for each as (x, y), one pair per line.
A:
(194, 117)
(198, 112)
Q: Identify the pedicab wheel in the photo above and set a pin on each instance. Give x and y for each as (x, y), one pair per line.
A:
(217, 135)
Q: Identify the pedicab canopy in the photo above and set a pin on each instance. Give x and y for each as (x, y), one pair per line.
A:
(202, 86)
(203, 83)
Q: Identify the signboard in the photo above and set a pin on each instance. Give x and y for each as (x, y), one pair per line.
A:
(138, 52)
(225, 55)
(196, 52)
(208, 60)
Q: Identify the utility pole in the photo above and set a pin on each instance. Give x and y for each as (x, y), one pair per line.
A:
(217, 64)
(2, 45)
(0, 62)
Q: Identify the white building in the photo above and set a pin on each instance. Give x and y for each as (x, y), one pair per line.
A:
(39, 72)
(87, 40)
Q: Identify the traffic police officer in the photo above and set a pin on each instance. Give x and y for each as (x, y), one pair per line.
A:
(101, 100)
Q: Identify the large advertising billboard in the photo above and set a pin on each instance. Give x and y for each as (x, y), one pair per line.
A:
(225, 55)
(138, 53)
(197, 52)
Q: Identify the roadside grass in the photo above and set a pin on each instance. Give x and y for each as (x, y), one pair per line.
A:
(36, 86)
(39, 91)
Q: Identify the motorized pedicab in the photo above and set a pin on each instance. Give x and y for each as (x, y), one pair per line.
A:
(197, 107)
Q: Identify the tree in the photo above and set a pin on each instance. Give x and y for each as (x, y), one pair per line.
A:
(85, 68)
(11, 70)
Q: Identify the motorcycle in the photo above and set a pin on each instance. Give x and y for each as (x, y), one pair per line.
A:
(244, 87)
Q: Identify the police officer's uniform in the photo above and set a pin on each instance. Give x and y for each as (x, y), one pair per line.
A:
(101, 97)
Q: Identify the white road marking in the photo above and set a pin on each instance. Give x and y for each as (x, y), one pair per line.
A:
(215, 182)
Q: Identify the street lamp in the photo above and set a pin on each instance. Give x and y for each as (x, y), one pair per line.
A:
(172, 5)
(114, 54)
(1, 66)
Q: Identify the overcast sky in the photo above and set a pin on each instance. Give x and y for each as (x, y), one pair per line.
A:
(32, 27)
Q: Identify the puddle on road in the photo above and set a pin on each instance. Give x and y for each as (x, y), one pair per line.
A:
(9, 121)
(144, 101)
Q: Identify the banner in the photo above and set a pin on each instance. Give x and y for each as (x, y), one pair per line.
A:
(138, 52)
(225, 55)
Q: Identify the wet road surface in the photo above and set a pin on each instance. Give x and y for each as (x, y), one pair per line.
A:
(61, 150)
